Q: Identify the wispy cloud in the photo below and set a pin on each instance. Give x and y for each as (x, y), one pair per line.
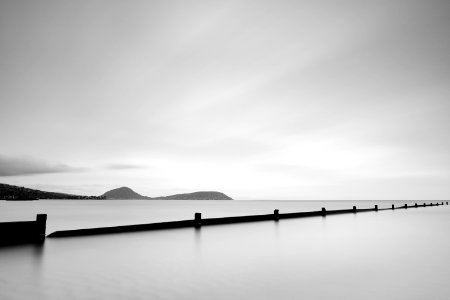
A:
(123, 166)
(17, 166)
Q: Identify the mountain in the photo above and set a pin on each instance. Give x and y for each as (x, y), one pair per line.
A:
(127, 193)
(12, 192)
(123, 193)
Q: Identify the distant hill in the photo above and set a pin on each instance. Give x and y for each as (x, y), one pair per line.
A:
(127, 193)
(123, 193)
(12, 192)
(197, 196)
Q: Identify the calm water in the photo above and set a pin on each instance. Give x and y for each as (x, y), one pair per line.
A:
(399, 254)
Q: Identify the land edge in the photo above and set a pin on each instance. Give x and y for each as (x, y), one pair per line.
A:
(19, 193)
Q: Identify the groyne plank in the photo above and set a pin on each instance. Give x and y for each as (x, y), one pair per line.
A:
(12, 233)
(198, 221)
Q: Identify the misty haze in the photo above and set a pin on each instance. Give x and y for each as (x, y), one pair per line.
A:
(224, 149)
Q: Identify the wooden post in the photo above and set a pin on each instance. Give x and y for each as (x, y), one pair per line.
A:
(442, 203)
(447, 203)
(198, 220)
(354, 209)
(376, 207)
(276, 215)
(424, 204)
(415, 205)
(324, 212)
(392, 206)
(406, 205)
(41, 222)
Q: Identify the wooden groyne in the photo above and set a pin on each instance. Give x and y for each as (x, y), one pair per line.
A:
(12, 233)
(198, 222)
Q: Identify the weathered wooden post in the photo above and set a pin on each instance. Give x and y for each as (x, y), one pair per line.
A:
(276, 215)
(376, 207)
(415, 205)
(324, 212)
(41, 222)
(198, 220)
(354, 209)
(392, 206)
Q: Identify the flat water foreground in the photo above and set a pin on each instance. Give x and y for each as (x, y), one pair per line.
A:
(397, 254)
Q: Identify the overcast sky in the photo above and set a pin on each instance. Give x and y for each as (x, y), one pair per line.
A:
(256, 99)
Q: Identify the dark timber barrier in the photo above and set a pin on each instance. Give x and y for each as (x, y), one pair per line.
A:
(198, 222)
(12, 233)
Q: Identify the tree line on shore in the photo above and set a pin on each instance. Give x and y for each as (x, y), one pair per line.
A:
(12, 192)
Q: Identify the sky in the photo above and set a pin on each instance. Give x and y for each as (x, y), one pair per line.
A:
(323, 99)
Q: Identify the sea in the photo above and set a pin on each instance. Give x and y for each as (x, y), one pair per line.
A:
(389, 254)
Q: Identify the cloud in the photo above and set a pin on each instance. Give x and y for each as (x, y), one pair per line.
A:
(123, 167)
(16, 166)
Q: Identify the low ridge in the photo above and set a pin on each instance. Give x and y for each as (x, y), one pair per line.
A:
(126, 193)
(18, 193)
(209, 195)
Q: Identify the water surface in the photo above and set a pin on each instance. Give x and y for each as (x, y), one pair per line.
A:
(397, 254)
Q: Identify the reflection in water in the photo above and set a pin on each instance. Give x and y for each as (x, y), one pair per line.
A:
(21, 271)
(37, 263)
(32, 251)
(276, 226)
(37, 251)
(198, 241)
